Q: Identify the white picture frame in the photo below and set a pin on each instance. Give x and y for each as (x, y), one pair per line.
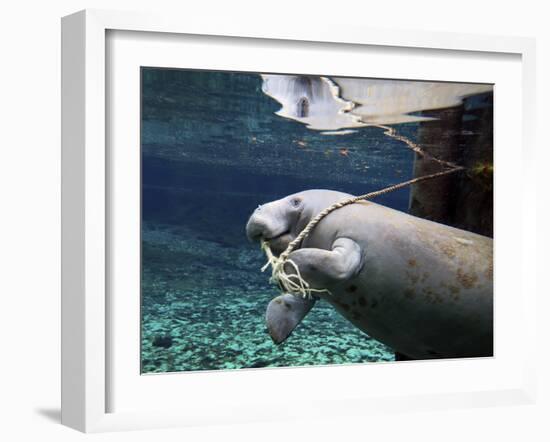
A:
(87, 203)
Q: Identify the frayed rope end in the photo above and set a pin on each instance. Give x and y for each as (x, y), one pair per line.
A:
(287, 283)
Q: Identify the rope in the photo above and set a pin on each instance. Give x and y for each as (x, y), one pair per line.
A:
(288, 283)
(391, 132)
(294, 283)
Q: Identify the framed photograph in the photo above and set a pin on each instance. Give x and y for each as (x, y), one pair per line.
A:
(250, 213)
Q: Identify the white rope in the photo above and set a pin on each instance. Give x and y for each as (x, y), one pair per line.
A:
(288, 283)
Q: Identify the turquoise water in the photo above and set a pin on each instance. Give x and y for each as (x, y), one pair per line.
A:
(213, 148)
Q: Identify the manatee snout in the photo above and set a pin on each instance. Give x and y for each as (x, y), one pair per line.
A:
(256, 228)
(267, 223)
(262, 226)
(270, 223)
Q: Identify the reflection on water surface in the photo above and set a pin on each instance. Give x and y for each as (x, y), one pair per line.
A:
(334, 103)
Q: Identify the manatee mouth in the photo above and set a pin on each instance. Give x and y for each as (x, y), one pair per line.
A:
(279, 243)
(274, 238)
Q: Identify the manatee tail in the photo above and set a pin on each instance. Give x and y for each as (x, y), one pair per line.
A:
(284, 313)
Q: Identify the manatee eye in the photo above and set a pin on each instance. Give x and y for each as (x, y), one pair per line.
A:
(295, 202)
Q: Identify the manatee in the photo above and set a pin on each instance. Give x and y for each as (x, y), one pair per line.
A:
(423, 288)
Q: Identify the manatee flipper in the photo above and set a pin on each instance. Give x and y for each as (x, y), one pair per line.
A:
(284, 313)
(320, 267)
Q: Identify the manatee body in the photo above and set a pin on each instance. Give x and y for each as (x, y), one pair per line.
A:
(420, 287)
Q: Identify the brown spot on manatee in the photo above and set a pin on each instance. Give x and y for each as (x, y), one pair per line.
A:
(351, 288)
(448, 250)
(409, 293)
(432, 296)
(467, 280)
(454, 289)
(411, 262)
(429, 295)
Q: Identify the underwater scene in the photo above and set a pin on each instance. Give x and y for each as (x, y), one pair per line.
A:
(236, 165)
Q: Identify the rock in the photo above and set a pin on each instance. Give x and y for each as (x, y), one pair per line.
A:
(163, 341)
